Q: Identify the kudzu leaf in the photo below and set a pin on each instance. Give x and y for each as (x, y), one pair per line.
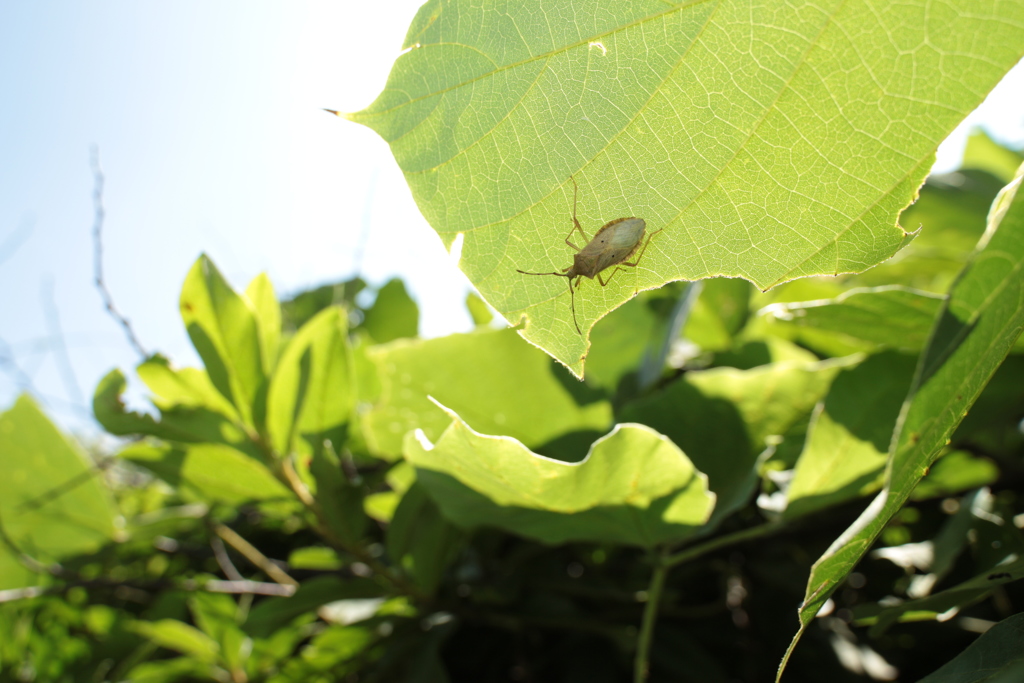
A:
(767, 142)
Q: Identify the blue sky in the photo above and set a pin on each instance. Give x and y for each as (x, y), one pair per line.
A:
(208, 118)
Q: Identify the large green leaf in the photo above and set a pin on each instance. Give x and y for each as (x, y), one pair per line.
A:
(848, 440)
(973, 333)
(51, 505)
(768, 142)
(496, 381)
(227, 334)
(634, 487)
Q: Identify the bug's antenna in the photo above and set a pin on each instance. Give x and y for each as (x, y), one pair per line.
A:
(527, 273)
(572, 295)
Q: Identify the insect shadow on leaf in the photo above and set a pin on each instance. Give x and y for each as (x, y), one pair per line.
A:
(617, 241)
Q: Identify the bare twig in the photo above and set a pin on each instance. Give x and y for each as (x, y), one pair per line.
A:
(10, 245)
(226, 565)
(58, 345)
(212, 586)
(231, 537)
(66, 486)
(97, 238)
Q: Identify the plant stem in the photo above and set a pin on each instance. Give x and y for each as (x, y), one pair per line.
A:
(722, 542)
(643, 645)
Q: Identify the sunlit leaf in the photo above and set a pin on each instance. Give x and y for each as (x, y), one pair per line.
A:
(634, 487)
(226, 333)
(767, 142)
(311, 394)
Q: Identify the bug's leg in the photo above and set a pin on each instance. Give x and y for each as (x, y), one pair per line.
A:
(575, 223)
(572, 304)
(631, 264)
(643, 249)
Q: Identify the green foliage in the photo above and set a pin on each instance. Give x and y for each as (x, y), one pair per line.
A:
(330, 498)
(768, 143)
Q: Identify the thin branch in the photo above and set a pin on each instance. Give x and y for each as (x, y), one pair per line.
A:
(724, 541)
(211, 586)
(10, 245)
(231, 537)
(65, 486)
(97, 239)
(641, 667)
(221, 555)
(58, 344)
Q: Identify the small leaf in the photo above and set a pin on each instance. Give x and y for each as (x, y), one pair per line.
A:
(634, 487)
(422, 540)
(260, 294)
(394, 315)
(225, 332)
(315, 557)
(180, 637)
(478, 310)
(312, 392)
(211, 472)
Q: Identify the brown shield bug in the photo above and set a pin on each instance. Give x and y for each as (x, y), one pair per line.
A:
(612, 245)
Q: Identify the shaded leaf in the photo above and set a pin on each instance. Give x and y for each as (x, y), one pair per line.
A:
(973, 333)
(724, 418)
(394, 314)
(848, 439)
(890, 317)
(209, 471)
(422, 541)
(273, 613)
(997, 656)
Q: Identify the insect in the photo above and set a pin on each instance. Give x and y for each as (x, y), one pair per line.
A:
(612, 245)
